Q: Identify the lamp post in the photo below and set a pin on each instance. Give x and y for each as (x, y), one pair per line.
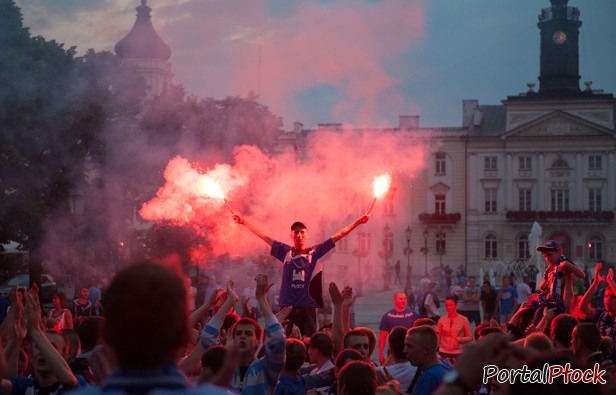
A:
(440, 246)
(424, 250)
(408, 251)
(360, 252)
(386, 254)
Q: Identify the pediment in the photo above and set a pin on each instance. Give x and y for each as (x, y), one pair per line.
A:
(558, 124)
(440, 187)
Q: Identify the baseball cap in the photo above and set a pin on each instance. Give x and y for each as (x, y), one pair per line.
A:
(298, 226)
(549, 245)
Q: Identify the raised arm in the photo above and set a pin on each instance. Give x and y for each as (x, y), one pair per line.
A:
(253, 229)
(588, 311)
(337, 325)
(56, 362)
(570, 267)
(347, 229)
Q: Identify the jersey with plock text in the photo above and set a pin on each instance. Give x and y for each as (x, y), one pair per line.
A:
(302, 274)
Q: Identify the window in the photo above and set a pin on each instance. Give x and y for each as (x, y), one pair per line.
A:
(559, 200)
(490, 200)
(439, 204)
(441, 243)
(595, 248)
(363, 241)
(388, 204)
(388, 241)
(440, 164)
(523, 251)
(525, 163)
(560, 163)
(342, 245)
(490, 163)
(524, 204)
(594, 162)
(491, 246)
(594, 199)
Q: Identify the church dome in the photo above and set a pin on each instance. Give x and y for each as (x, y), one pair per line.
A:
(142, 42)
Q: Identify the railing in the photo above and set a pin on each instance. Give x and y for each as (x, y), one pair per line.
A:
(560, 216)
(448, 218)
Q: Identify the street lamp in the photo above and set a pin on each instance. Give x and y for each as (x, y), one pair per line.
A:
(386, 254)
(408, 251)
(424, 250)
(440, 245)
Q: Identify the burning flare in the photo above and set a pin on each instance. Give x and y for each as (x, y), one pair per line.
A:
(380, 186)
(212, 189)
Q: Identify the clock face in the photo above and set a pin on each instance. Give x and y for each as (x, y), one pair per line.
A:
(559, 37)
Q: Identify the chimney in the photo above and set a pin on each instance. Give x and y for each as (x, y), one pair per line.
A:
(409, 122)
(298, 127)
(467, 110)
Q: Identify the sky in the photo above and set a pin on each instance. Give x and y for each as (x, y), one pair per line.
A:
(358, 62)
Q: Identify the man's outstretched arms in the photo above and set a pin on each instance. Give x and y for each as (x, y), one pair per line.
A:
(252, 228)
(347, 229)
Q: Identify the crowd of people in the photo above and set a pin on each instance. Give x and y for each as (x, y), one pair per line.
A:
(146, 335)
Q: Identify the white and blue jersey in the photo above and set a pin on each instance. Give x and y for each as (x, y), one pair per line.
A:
(302, 274)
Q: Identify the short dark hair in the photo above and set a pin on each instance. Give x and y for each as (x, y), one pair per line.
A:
(561, 328)
(589, 335)
(357, 378)
(322, 342)
(150, 335)
(90, 332)
(351, 333)
(248, 321)
(424, 322)
(396, 341)
(345, 355)
(214, 357)
(296, 354)
(298, 226)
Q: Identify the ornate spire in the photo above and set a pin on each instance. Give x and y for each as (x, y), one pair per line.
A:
(142, 42)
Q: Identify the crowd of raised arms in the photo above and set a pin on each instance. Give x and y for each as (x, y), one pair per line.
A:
(145, 336)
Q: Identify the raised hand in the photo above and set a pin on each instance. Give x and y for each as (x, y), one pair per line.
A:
(238, 219)
(598, 277)
(231, 295)
(282, 315)
(335, 295)
(364, 218)
(262, 286)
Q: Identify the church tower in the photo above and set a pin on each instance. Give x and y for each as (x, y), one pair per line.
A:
(143, 48)
(560, 29)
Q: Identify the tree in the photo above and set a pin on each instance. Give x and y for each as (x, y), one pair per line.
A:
(53, 107)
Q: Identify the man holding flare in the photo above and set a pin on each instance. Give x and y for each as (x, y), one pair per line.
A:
(302, 272)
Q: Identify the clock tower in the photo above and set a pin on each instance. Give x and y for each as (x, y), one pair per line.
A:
(559, 27)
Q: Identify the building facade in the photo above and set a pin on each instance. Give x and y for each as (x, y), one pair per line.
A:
(542, 158)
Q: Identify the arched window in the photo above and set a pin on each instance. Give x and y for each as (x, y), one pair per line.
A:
(491, 247)
(523, 251)
(595, 248)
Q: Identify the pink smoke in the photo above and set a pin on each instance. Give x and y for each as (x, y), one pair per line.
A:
(327, 191)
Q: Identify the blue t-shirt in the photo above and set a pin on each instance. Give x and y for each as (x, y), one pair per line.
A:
(430, 379)
(393, 318)
(288, 385)
(607, 327)
(506, 302)
(25, 385)
(301, 274)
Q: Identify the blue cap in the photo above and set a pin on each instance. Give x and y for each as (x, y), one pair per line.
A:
(549, 245)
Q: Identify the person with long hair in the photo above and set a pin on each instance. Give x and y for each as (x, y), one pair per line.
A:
(60, 317)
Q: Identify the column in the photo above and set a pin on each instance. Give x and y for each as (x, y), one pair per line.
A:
(611, 192)
(540, 183)
(508, 182)
(473, 182)
(579, 186)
